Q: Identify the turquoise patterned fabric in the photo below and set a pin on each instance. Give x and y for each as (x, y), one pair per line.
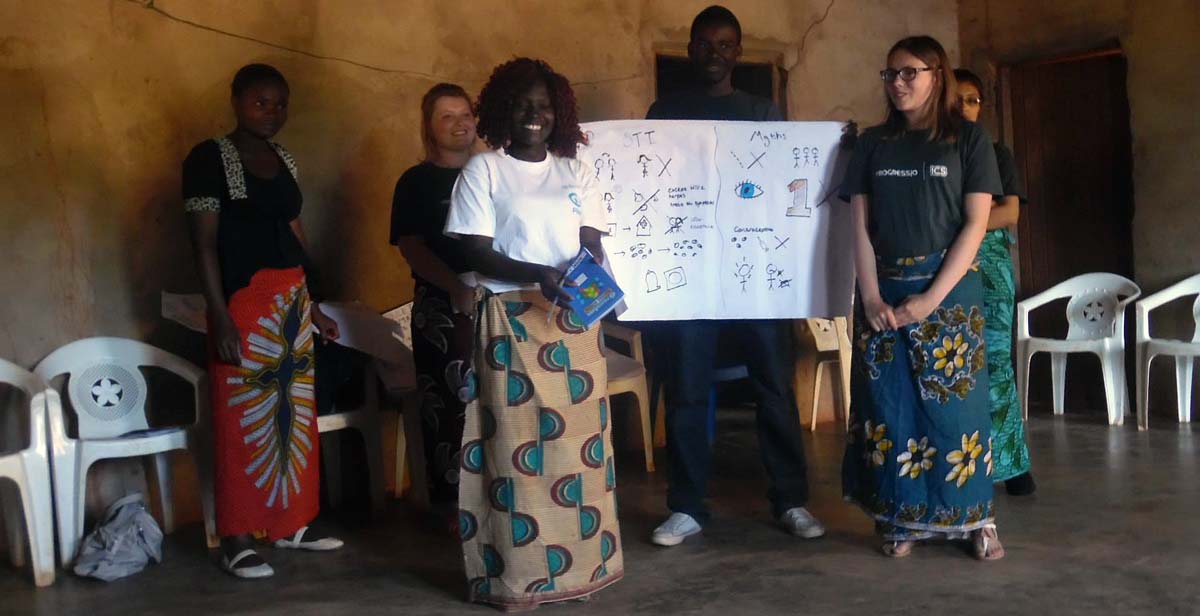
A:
(1011, 456)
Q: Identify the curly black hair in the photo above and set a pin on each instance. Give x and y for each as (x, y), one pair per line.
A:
(514, 78)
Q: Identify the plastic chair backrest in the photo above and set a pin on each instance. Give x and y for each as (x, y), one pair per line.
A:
(402, 314)
(1184, 288)
(825, 334)
(1092, 310)
(104, 384)
(35, 392)
(1196, 318)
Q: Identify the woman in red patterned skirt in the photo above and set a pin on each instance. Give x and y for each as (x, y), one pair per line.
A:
(243, 207)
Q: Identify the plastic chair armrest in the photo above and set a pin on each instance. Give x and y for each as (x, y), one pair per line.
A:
(629, 336)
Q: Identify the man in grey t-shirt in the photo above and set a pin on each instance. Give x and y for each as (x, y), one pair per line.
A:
(716, 44)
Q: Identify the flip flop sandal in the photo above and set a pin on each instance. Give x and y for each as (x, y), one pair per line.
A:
(988, 548)
(897, 549)
(297, 542)
(230, 566)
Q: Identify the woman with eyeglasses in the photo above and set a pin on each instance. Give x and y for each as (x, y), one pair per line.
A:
(1011, 457)
(921, 184)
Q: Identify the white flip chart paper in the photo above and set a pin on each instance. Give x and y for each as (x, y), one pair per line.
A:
(724, 220)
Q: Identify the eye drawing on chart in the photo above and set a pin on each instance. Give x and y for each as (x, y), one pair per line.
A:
(644, 161)
(652, 284)
(799, 207)
(747, 190)
(644, 227)
(738, 241)
(743, 272)
(675, 278)
(605, 163)
(675, 223)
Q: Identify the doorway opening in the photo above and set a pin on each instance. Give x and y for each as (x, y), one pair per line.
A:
(1069, 125)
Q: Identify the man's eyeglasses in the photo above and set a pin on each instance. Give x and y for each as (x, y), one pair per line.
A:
(907, 73)
(970, 101)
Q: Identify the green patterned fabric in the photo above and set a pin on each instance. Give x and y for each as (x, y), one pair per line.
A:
(1011, 455)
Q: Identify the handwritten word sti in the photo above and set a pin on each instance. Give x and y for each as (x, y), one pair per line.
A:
(639, 139)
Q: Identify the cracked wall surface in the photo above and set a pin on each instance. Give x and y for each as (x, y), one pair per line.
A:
(103, 100)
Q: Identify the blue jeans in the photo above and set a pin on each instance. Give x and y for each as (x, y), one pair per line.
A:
(690, 349)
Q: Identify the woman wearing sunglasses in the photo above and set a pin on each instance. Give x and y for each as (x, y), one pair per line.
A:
(921, 185)
(1011, 458)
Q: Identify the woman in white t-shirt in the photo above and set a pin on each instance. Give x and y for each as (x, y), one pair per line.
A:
(538, 517)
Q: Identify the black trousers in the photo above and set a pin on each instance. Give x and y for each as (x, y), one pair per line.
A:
(687, 355)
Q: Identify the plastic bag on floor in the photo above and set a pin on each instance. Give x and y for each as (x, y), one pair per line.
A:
(123, 544)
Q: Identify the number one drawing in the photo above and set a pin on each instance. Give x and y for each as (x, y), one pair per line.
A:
(799, 206)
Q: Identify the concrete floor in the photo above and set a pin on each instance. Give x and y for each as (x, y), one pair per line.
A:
(1112, 530)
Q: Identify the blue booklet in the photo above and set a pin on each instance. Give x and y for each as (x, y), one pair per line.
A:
(595, 292)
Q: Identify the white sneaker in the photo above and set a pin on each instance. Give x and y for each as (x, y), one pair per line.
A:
(801, 523)
(677, 528)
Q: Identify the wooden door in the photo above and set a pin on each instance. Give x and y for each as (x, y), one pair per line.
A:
(1071, 139)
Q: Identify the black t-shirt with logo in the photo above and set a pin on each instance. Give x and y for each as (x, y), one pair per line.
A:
(917, 186)
(1010, 178)
(419, 207)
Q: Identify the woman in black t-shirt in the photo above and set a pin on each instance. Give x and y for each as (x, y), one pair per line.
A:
(919, 459)
(999, 293)
(243, 207)
(443, 304)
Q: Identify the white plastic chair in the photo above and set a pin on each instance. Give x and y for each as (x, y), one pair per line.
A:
(29, 470)
(366, 420)
(831, 342)
(400, 385)
(108, 394)
(1096, 324)
(1148, 348)
(627, 375)
(383, 339)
